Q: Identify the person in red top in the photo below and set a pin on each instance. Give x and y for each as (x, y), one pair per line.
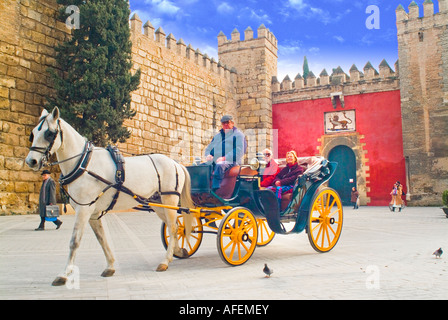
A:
(271, 170)
(284, 181)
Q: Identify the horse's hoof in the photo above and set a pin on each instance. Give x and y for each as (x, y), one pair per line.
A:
(59, 281)
(184, 253)
(162, 267)
(108, 273)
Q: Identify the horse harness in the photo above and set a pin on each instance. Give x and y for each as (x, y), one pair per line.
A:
(49, 136)
(119, 161)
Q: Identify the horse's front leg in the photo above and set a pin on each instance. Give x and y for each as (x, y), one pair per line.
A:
(97, 227)
(82, 216)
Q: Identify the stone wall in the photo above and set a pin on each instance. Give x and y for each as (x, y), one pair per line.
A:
(182, 95)
(255, 61)
(28, 35)
(423, 55)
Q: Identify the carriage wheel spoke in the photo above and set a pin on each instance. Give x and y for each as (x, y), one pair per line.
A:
(233, 249)
(242, 244)
(325, 230)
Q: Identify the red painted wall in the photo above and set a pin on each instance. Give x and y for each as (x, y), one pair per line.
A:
(378, 118)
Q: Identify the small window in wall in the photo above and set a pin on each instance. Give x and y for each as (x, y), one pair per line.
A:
(420, 36)
(337, 98)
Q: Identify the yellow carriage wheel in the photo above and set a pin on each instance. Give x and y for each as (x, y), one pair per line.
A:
(265, 234)
(237, 236)
(195, 238)
(325, 221)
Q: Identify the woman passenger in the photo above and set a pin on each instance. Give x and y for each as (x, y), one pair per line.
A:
(284, 181)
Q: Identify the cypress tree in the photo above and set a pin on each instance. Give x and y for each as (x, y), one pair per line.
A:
(306, 68)
(93, 79)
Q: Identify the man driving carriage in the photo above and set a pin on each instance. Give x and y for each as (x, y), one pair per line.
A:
(226, 150)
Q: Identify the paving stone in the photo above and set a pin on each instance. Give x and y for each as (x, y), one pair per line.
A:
(380, 255)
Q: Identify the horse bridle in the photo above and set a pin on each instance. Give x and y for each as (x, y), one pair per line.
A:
(49, 136)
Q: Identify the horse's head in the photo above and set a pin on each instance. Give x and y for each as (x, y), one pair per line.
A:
(46, 139)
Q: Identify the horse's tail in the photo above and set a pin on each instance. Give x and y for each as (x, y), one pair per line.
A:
(187, 202)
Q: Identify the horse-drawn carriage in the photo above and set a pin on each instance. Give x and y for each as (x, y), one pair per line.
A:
(242, 214)
(245, 216)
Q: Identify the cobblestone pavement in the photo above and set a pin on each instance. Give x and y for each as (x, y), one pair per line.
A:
(380, 255)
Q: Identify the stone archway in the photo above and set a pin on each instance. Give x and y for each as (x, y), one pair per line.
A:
(352, 141)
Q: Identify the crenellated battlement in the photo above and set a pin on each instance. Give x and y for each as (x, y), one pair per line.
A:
(178, 47)
(414, 21)
(263, 34)
(370, 78)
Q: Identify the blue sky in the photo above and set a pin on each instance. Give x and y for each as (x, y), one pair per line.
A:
(330, 33)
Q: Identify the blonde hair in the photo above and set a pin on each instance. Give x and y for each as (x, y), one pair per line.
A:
(294, 154)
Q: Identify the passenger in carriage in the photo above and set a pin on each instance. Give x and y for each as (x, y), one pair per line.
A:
(226, 150)
(271, 170)
(284, 181)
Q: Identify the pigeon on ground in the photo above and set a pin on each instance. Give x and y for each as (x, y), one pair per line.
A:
(267, 271)
(438, 253)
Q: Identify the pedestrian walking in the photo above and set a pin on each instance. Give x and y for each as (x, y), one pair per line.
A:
(47, 196)
(355, 198)
(396, 194)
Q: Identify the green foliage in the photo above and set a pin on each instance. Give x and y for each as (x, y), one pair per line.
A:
(306, 68)
(93, 78)
(445, 198)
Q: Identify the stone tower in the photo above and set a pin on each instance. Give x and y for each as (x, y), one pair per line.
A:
(423, 63)
(255, 61)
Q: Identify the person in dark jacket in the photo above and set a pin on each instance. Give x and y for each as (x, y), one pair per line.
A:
(226, 150)
(285, 179)
(354, 198)
(47, 196)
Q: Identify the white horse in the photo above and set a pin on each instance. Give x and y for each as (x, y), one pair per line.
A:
(145, 175)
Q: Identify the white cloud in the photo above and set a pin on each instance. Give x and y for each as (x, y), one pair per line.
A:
(256, 15)
(163, 6)
(367, 40)
(287, 50)
(145, 16)
(310, 11)
(260, 17)
(297, 4)
(303, 9)
(224, 8)
(290, 67)
(211, 51)
(339, 39)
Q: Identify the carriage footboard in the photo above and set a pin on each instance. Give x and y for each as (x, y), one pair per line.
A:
(268, 203)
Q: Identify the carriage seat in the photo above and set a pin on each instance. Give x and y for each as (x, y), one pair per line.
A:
(228, 183)
(225, 190)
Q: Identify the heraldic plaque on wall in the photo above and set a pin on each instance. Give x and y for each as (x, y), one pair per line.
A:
(340, 121)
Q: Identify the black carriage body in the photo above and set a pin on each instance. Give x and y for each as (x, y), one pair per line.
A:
(263, 203)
